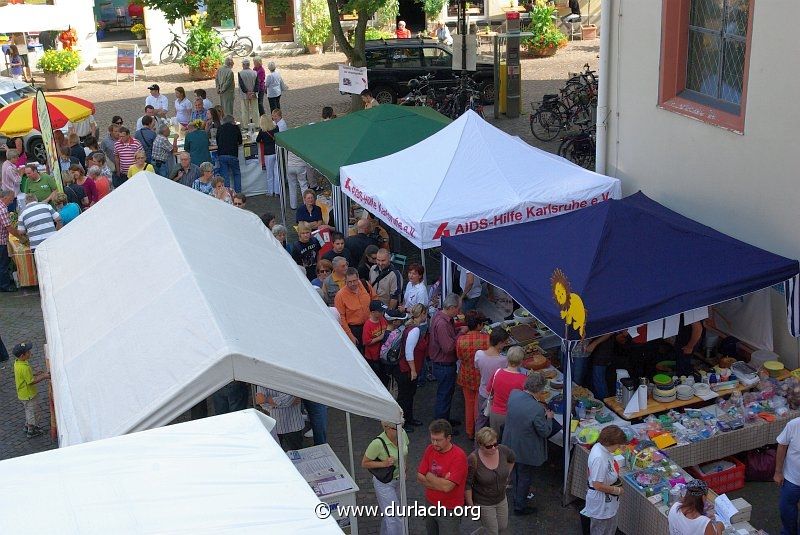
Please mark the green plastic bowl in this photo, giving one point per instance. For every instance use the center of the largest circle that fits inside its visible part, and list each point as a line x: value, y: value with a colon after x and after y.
x: 662, y: 379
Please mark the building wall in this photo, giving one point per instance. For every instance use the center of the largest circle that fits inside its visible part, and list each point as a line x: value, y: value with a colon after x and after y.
x: 81, y: 13
x: 158, y: 28
x: 745, y: 185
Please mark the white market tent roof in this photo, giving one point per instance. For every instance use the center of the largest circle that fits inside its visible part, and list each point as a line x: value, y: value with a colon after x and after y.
x: 160, y: 295
x: 470, y: 176
x: 223, y: 474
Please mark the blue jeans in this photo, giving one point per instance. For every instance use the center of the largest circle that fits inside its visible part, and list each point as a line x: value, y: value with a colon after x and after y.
x: 580, y: 366
x: 318, y: 416
x: 787, y: 505
x: 522, y: 478
x: 599, y: 388
x: 230, y: 165
x: 445, y: 386
x: 231, y: 398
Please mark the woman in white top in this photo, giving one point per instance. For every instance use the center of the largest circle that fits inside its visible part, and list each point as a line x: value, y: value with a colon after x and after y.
x: 686, y: 517
x: 274, y: 84
x: 183, y: 107
x: 416, y: 292
x: 605, y: 487
x: 487, y: 362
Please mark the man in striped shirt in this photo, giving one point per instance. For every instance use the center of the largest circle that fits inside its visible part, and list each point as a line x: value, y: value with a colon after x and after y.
x: 125, y: 148
x: 285, y: 409
x: 38, y: 220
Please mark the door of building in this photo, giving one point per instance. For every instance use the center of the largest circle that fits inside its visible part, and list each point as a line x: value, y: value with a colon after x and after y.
x: 276, y: 24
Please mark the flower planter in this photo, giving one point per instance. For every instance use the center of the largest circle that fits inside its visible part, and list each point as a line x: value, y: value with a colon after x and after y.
x: 139, y: 36
x: 543, y: 51
x: 588, y: 31
x: 101, y: 34
x: 54, y: 81
x: 314, y: 49
x: 202, y: 74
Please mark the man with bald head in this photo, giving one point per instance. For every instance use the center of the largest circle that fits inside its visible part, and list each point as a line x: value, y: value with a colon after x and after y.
x: 386, y: 279
x: 358, y: 243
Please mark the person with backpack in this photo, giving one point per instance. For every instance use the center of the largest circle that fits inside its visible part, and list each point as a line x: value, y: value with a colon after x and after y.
x: 414, y: 343
x: 386, y: 279
x: 392, y: 347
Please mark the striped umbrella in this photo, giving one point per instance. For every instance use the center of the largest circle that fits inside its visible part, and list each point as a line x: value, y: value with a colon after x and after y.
x: 19, y: 118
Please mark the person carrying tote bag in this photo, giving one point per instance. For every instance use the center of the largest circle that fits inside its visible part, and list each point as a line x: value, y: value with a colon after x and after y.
x: 380, y: 458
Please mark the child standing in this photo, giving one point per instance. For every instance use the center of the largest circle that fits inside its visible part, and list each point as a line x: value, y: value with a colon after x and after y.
x: 372, y: 337
x: 26, y: 386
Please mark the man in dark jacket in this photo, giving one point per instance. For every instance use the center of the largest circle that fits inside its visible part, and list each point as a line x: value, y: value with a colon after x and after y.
x: 528, y: 425
x: 229, y: 137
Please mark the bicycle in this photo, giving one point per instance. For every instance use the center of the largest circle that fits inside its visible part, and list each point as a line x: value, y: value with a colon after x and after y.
x: 235, y: 44
x: 174, y: 51
x: 554, y: 114
x: 579, y: 147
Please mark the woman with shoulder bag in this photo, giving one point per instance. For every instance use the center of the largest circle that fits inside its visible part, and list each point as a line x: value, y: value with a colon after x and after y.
x: 380, y: 459
x: 415, y: 349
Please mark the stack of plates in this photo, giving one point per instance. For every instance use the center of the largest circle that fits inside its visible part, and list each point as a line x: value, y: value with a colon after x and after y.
x: 701, y: 389
x: 684, y: 392
x: 664, y: 394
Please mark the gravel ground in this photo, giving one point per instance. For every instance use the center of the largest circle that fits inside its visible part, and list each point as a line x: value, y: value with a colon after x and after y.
x: 313, y: 82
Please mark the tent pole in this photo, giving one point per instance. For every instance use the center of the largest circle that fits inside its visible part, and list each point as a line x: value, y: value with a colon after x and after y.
x: 281, y: 154
x: 567, y: 416
x: 401, y: 465
x: 350, y: 445
x: 422, y: 254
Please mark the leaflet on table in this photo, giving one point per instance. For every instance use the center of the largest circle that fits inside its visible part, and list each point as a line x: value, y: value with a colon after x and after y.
x: 330, y: 485
x: 724, y: 509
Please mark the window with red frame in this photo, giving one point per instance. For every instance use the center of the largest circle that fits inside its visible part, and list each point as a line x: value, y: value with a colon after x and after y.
x: 704, y: 60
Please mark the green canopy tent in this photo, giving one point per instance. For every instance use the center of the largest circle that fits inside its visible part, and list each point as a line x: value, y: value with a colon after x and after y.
x: 354, y: 138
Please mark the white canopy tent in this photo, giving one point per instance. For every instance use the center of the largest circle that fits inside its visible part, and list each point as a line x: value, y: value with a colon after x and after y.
x: 32, y: 18
x: 160, y: 295
x: 224, y: 474
x: 470, y: 176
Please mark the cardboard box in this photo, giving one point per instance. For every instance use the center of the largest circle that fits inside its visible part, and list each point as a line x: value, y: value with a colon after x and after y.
x: 744, y: 509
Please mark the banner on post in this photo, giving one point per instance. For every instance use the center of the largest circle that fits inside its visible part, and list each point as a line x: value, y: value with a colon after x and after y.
x: 352, y: 80
x: 46, y: 129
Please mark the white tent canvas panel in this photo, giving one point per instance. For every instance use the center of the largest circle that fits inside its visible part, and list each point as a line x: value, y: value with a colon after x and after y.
x: 223, y: 474
x: 160, y: 295
x: 470, y: 176
x: 32, y: 18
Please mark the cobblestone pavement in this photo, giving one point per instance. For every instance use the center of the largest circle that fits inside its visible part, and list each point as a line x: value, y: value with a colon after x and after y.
x: 313, y: 83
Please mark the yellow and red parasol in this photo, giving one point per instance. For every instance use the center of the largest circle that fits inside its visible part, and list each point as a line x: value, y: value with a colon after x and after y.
x: 19, y: 118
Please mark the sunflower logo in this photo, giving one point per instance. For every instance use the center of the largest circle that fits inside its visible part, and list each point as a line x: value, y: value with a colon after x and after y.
x: 570, y: 304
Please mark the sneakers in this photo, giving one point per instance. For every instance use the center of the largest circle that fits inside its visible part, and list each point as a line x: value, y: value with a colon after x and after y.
x: 34, y: 431
x: 309, y: 433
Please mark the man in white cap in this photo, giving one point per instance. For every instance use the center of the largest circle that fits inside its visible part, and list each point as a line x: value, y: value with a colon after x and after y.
x: 158, y: 101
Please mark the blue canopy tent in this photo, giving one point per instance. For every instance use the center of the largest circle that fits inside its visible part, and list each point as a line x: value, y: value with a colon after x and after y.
x: 631, y: 261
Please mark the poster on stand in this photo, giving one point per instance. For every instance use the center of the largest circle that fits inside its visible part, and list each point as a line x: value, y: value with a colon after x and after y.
x: 352, y: 80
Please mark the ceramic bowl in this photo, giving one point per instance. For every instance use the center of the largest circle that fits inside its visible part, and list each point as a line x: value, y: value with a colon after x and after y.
x: 684, y: 391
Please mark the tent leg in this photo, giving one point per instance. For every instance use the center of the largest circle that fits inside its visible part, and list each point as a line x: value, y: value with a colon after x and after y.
x: 281, y: 155
x: 422, y: 255
x: 350, y: 445
x: 567, y: 419
x: 401, y: 464
x: 447, y: 283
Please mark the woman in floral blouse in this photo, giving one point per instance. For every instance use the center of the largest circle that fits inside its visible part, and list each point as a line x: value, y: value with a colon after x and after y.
x: 468, y: 377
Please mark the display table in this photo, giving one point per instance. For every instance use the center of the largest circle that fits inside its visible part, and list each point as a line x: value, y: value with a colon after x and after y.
x: 22, y: 256
x: 329, y: 480
x: 636, y: 513
x: 655, y: 407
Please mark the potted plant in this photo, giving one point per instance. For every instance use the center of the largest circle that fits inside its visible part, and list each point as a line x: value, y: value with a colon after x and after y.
x: 60, y: 68
x: 101, y: 30
x: 138, y: 30
x: 546, y: 38
x: 203, y: 48
x: 314, y: 27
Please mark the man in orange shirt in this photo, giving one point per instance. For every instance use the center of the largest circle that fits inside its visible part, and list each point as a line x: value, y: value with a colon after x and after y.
x: 352, y: 303
x: 402, y: 32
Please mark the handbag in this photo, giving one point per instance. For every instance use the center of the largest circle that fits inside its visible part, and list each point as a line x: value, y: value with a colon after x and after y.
x: 488, y: 408
x: 384, y: 474
x: 760, y: 464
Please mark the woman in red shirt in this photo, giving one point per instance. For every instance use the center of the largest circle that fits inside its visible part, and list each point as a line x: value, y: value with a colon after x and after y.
x: 500, y: 386
x: 469, y: 379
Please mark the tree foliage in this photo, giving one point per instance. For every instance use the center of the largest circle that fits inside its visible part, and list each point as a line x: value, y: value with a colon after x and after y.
x: 363, y: 10
x: 178, y: 9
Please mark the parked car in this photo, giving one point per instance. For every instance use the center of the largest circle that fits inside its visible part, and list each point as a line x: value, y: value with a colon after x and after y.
x: 11, y: 91
x: 391, y: 63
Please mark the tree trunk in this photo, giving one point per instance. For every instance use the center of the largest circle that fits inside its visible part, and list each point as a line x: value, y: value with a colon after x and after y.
x: 354, y: 53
